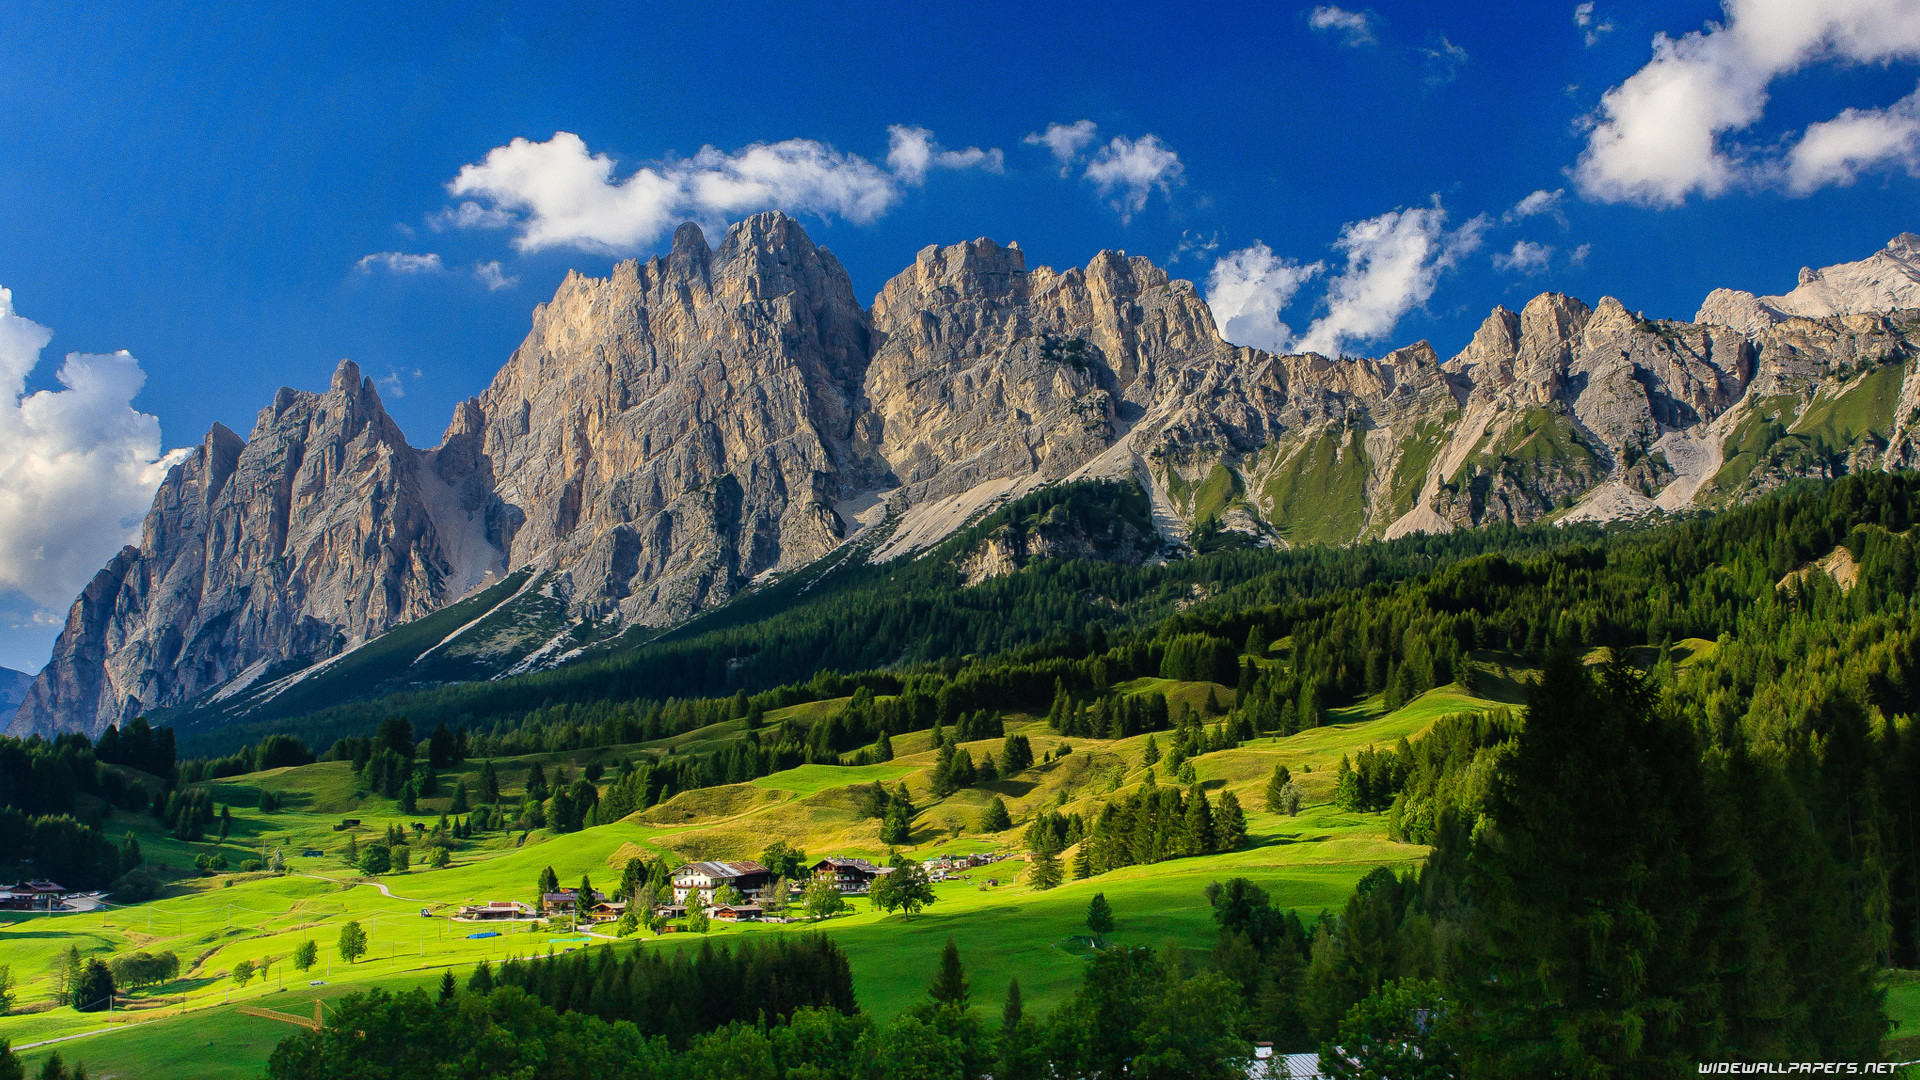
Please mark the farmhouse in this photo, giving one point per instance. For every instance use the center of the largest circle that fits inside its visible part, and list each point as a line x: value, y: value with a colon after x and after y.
x: 738, y: 913
x: 494, y: 910
x: 851, y: 876
x: 608, y: 910
x: 700, y: 879
x: 33, y: 896
x: 564, y: 901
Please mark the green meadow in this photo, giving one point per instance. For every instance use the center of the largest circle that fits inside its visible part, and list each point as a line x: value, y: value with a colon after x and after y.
x: 191, y: 1027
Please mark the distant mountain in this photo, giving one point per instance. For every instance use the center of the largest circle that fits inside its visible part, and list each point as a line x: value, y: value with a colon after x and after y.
x: 713, y: 418
x: 13, y: 689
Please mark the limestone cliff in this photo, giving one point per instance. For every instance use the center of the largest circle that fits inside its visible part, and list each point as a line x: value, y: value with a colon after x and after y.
x: 668, y: 436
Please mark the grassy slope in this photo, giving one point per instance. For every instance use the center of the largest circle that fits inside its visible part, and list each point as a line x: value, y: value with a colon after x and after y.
x: 1310, y: 862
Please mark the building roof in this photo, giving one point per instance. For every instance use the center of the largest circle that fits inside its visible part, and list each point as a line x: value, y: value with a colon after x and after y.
x: 720, y: 871
x: 834, y: 862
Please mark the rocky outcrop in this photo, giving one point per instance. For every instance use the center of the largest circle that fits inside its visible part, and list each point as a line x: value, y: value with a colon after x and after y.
x: 322, y: 529
x: 671, y: 434
x: 1887, y: 280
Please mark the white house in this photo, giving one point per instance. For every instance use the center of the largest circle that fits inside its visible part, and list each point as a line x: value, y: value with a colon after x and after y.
x: 705, y: 877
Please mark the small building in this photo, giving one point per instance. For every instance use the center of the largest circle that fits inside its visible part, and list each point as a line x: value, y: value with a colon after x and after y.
x: 34, y: 896
x: 738, y: 913
x: 608, y: 910
x: 347, y: 823
x: 566, y: 900
x: 700, y: 880
x: 494, y: 910
x: 854, y: 877
x: 311, y: 853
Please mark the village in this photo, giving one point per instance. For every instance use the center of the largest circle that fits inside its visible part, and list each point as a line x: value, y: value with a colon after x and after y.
x: 730, y: 892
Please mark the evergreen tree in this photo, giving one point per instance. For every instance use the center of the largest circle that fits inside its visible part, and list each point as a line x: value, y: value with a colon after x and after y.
x: 480, y: 983
x: 1276, y: 784
x: 997, y: 818
x: 94, y: 989
x: 1083, y: 861
x: 1099, y: 917
x: 489, y: 784
x: 1020, y: 1054
x: 1043, y: 869
x: 950, y: 983
x: 549, y: 883
x: 448, y: 988
x: 1230, y: 823
x: 1151, y: 754
x: 459, y: 804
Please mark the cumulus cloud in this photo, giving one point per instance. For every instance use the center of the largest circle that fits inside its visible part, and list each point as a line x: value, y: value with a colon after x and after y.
x: 1592, y: 27
x: 559, y: 194
x: 489, y: 274
x: 911, y: 151
x: 1128, y: 171
x: 399, y: 262
x: 1526, y: 258
x: 1665, y: 133
x: 1393, y: 263
x: 1835, y: 152
x: 1065, y: 141
x: 1354, y: 27
x: 78, y: 466
x: 1248, y: 289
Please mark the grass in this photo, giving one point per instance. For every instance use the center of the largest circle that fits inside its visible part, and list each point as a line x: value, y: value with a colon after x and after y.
x: 1864, y: 408
x: 188, y: 1028
x: 1319, y: 495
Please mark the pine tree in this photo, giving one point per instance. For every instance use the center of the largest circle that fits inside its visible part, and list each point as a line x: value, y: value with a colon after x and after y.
x: 549, y: 883
x: 1099, y: 917
x: 1151, y: 754
x: 448, y: 988
x: 1276, y: 784
x: 489, y: 784
x: 1230, y: 823
x: 1083, y: 860
x: 481, y: 981
x: 459, y: 805
x: 950, y: 982
x: 997, y: 818
x: 1043, y: 869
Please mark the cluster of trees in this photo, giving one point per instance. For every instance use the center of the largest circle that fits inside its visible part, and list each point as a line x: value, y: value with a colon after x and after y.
x: 1155, y: 823
x: 139, y: 970
x: 55, y: 796
x: 1135, y: 1013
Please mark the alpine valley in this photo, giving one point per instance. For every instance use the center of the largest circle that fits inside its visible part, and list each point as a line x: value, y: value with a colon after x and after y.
x: 721, y: 423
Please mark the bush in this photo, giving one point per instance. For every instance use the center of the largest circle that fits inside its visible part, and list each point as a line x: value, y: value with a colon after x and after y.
x: 251, y: 866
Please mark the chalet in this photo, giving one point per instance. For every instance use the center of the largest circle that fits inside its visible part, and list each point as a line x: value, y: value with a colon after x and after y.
x: 738, y: 913
x: 564, y: 901
x: 851, y: 876
x: 700, y: 880
x: 608, y: 910
x: 347, y: 823
x: 33, y: 896
x: 495, y: 910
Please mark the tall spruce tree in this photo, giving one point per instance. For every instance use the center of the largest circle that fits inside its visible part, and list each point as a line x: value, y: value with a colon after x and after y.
x: 950, y: 982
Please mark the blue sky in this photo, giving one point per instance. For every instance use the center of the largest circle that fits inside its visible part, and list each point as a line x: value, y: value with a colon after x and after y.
x: 205, y: 188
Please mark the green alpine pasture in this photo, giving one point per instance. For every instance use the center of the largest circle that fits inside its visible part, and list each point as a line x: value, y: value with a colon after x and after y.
x: 190, y: 1027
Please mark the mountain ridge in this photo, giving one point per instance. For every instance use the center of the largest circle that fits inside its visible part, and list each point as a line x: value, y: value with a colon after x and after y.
x: 670, y: 434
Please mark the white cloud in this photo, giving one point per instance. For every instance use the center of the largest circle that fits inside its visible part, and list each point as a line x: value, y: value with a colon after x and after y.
x: 1065, y: 141
x: 1663, y: 134
x: 1193, y: 245
x: 911, y: 151
x: 1444, y: 61
x: 1526, y: 258
x: 558, y: 194
x: 78, y: 466
x: 1592, y: 27
x: 1354, y: 27
x: 392, y: 385
x: 1836, y: 151
x: 1540, y: 202
x: 489, y: 274
x: 470, y: 215
x: 1393, y: 263
x: 399, y: 262
x: 1579, y: 256
x: 1127, y: 171
x: 1248, y: 289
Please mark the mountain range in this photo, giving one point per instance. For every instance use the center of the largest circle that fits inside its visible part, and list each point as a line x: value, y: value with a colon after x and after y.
x: 712, y: 419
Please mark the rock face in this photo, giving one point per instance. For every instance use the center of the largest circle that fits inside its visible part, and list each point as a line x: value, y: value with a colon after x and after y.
x: 668, y: 435
x: 1887, y: 280
x: 321, y: 530
x: 13, y: 688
